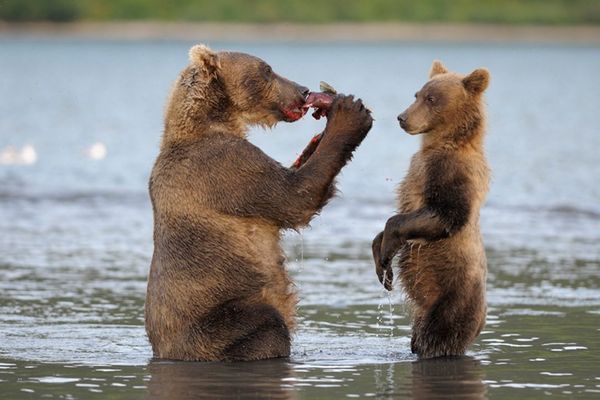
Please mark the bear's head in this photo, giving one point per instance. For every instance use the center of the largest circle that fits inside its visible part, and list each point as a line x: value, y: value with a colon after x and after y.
x: 448, y: 105
x: 229, y: 91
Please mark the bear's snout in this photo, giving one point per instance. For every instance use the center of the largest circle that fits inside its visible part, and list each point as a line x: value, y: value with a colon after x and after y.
x: 402, y: 119
x: 305, y: 91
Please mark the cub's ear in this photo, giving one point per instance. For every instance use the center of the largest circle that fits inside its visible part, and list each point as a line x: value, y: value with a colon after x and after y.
x: 437, y: 68
x: 477, y: 81
x: 202, y: 56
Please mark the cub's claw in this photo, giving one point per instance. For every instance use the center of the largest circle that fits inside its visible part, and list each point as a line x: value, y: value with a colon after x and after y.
x: 376, y: 248
x: 385, y: 275
x: 389, y: 278
x: 385, y: 247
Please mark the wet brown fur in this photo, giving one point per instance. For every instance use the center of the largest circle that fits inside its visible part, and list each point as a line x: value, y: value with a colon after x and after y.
x: 441, y: 255
x: 218, y: 288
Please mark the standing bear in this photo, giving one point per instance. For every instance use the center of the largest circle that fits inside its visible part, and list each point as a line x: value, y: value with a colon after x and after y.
x: 441, y: 256
x: 217, y: 287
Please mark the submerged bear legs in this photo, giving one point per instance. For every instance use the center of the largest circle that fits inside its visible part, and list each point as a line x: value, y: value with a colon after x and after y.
x: 270, y: 340
x: 449, y: 326
x: 249, y: 331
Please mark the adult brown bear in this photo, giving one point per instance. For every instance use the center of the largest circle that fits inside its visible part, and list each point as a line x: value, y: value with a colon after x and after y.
x: 442, y: 260
x: 218, y: 288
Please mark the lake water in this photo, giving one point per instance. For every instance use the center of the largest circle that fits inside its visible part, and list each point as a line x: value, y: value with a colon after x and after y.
x: 76, y: 232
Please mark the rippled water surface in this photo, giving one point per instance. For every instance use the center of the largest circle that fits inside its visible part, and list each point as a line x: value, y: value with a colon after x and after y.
x: 76, y: 233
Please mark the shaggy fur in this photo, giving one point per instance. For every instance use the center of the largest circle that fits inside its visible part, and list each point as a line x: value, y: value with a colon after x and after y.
x: 218, y: 288
x: 441, y: 256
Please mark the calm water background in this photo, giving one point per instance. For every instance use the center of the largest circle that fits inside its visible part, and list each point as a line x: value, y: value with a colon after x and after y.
x: 75, y: 233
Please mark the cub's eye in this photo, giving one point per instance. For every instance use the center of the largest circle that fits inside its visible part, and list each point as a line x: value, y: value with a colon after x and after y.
x: 430, y: 99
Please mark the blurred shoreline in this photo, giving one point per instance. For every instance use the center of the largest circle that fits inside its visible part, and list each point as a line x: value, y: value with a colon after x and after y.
x: 286, y: 32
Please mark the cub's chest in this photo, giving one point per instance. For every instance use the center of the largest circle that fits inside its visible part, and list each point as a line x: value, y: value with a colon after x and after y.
x: 411, y: 189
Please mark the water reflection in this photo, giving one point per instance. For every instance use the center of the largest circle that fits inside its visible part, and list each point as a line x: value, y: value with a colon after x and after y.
x: 460, y: 377
x: 441, y: 378
x: 193, y: 380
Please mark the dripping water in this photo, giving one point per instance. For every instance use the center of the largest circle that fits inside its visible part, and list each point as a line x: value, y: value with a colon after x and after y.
x: 301, y: 252
x: 379, y: 316
x: 391, y: 314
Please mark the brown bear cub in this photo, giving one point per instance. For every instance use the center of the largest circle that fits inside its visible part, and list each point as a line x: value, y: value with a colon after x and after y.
x: 217, y: 287
x: 436, y: 234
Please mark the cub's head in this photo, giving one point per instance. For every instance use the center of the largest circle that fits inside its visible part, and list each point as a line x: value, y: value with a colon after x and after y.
x: 233, y: 89
x: 448, y: 104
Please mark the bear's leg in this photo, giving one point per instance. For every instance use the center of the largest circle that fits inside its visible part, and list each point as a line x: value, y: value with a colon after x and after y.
x: 252, y: 331
x: 449, y: 327
x: 435, y: 335
x: 268, y: 341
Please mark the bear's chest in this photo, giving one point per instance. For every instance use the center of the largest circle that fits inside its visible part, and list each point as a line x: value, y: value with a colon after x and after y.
x: 411, y: 189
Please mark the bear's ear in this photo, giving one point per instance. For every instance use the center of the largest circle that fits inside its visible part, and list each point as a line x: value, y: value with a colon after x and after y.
x: 477, y: 81
x: 437, y: 68
x: 202, y: 56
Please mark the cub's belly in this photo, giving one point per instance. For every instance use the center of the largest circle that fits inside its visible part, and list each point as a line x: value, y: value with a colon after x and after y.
x: 428, y: 269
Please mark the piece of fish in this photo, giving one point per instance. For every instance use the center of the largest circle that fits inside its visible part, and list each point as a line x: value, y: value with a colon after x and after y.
x: 320, y: 101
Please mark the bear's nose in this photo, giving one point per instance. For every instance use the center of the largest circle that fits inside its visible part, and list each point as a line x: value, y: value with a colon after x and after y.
x: 402, y: 117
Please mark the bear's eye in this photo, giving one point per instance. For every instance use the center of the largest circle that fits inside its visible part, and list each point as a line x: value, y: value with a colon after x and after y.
x: 267, y: 71
x: 430, y: 99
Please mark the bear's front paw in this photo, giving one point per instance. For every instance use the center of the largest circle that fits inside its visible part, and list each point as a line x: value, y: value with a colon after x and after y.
x: 390, y: 242
x: 385, y: 276
x: 349, y: 117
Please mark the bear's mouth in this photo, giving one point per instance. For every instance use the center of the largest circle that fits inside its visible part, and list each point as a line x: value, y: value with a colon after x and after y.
x: 408, y: 129
x: 292, y: 114
x: 411, y: 129
x: 416, y: 132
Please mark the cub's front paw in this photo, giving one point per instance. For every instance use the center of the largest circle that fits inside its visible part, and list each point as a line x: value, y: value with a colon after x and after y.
x: 390, y: 243
x: 385, y: 276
